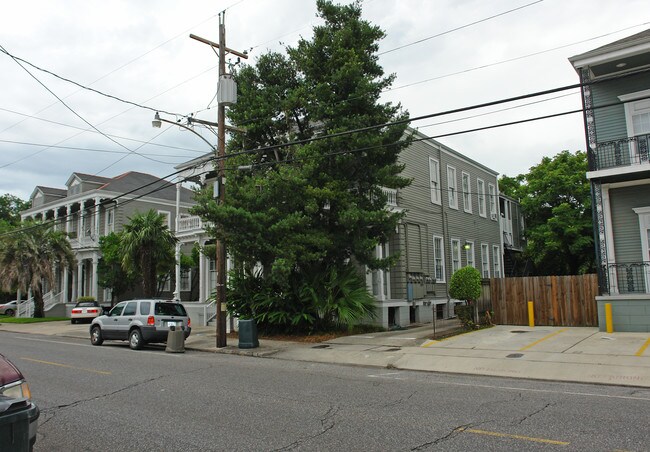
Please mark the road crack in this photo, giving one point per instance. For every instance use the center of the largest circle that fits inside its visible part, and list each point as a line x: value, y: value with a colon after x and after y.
x: 453, y: 433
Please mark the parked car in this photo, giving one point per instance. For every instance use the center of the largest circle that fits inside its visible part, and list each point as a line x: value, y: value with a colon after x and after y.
x: 18, y: 414
x: 9, y: 308
x: 140, y: 322
x: 85, y: 310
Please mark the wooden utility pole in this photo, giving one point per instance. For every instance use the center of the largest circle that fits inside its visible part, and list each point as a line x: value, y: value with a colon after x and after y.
x: 220, y: 184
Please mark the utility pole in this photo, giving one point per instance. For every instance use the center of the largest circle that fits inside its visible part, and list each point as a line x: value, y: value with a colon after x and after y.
x: 220, y: 184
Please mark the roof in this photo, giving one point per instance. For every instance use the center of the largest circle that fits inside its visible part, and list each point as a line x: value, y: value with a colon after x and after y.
x: 141, y: 184
x: 629, y: 53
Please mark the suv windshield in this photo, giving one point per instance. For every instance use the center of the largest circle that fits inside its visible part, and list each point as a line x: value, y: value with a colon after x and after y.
x: 170, y: 309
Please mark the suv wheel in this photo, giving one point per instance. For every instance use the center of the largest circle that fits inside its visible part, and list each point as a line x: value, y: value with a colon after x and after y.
x: 135, y: 339
x: 96, y: 336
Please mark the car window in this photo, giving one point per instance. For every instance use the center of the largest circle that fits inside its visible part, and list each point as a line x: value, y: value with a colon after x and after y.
x: 145, y: 308
x: 117, y: 309
x: 130, y: 308
x: 86, y: 304
x: 170, y: 309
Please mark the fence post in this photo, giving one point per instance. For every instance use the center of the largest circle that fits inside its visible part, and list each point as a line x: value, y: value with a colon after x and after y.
x: 608, y: 318
x: 531, y: 314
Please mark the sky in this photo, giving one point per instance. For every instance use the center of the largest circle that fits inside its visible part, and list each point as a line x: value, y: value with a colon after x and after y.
x: 445, y: 54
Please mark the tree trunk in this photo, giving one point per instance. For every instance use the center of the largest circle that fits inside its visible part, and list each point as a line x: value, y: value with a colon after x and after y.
x: 39, y: 309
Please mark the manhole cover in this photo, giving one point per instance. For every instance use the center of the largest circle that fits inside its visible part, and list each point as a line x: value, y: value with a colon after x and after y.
x: 321, y: 346
x: 519, y: 331
x: 515, y: 355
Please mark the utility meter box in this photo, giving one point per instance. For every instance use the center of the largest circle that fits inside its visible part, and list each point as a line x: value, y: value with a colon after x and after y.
x: 227, y: 90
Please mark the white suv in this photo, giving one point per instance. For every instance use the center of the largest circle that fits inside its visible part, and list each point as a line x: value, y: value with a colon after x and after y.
x: 140, y: 322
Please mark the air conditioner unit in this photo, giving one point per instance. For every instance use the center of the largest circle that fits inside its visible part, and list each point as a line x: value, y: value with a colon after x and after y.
x: 493, y: 216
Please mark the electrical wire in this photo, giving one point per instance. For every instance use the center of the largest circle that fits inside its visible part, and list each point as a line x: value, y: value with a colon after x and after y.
x: 459, y: 28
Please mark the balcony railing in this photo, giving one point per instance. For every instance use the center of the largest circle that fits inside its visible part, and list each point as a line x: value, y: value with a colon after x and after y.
x: 620, y: 153
x: 191, y: 224
x: 391, y: 196
x: 630, y: 277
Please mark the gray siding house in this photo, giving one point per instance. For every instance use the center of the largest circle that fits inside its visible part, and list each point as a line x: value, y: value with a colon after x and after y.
x: 452, y: 220
x: 93, y: 206
x: 617, y: 125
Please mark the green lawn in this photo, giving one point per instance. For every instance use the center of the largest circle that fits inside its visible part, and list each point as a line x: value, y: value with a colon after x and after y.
x: 8, y: 319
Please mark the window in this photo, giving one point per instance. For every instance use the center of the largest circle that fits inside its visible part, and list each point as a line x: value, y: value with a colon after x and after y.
x: 186, y: 278
x: 480, y: 186
x: 212, y: 267
x: 110, y: 220
x: 455, y: 255
x: 493, y: 201
x: 439, y: 259
x: 467, y: 195
x: 145, y: 307
x: 637, y: 118
x: 434, y: 178
x: 167, y: 217
x: 451, y: 187
x: 496, y: 260
x: 485, y: 260
x: 469, y: 253
x: 130, y: 308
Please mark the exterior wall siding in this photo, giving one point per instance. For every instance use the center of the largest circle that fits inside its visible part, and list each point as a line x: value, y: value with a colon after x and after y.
x: 625, y: 222
x: 610, y: 121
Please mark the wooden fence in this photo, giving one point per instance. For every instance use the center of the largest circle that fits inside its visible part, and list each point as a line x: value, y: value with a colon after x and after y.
x: 558, y: 300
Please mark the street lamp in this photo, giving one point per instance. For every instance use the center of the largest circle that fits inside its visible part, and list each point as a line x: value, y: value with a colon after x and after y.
x: 157, y: 123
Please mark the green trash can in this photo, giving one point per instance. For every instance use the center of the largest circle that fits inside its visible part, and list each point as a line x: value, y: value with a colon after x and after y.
x: 18, y: 424
x: 248, y: 334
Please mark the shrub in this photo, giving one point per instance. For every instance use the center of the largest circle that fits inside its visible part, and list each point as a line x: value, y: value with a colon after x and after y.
x: 465, y: 284
x: 86, y: 298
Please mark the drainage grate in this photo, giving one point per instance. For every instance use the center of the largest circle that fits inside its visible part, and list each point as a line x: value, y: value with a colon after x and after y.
x: 515, y: 355
x: 393, y: 349
x: 520, y: 331
x: 321, y: 346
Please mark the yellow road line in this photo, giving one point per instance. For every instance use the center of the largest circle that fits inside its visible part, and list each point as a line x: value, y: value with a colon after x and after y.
x: 429, y: 343
x: 67, y: 366
x: 548, y: 336
x: 643, y: 348
x: 508, y: 435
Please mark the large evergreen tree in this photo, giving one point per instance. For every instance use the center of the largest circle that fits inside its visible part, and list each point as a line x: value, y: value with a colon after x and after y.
x: 556, y: 201
x: 311, y: 209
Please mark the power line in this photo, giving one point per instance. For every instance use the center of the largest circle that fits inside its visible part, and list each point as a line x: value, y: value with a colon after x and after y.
x: 459, y: 28
x: 433, y: 115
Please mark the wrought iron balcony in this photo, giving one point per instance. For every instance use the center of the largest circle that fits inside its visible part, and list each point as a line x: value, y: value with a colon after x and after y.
x: 620, y: 153
x: 630, y: 277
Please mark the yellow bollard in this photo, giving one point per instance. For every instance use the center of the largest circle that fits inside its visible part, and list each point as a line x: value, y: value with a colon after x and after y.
x: 531, y: 314
x: 608, y: 318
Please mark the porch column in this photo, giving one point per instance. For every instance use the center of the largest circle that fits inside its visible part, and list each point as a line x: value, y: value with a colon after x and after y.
x: 80, y: 274
x: 94, y: 284
x: 202, y: 277
x: 65, y: 286
x: 73, y: 296
x: 96, y: 239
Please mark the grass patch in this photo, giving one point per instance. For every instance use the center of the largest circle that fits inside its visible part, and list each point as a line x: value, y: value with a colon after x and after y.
x: 7, y: 319
x: 315, y: 337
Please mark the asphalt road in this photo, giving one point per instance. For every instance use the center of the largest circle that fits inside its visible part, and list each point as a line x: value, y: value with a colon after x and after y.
x: 111, y: 398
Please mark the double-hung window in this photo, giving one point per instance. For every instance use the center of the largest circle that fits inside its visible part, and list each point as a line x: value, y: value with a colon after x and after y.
x: 496, y: 260
x: 469, y: 254
x: 439, y: 259
x: 480, y: 187
x: 493, y: 201
x: 455, y: 255
x: 485, y: 260
x: 467, y: 195
x: 434, y: 180
x: 451, y: 187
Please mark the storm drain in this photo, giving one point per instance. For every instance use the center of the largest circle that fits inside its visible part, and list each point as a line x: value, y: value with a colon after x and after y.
x: 520, y: 331
x: 393, y: 349
x: 515, y: 355
x: 321, y: 346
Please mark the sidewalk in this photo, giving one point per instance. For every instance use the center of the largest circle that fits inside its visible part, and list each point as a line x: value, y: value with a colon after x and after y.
x: 582, y: 355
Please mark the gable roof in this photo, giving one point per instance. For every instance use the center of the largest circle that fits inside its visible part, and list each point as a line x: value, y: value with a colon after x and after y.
x: 49, y: 191
x: 141, y: 184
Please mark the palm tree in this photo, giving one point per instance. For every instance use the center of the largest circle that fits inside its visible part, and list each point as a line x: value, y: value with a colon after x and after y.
x: 28, y: 256
x: 146, y: 243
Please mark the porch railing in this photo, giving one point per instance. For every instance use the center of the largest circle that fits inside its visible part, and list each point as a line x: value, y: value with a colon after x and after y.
x: 631, y: 277
x: 209, y: 312
x: 620, y: 153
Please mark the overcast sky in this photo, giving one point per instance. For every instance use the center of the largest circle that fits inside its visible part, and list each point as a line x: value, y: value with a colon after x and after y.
x: 140, y: 51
